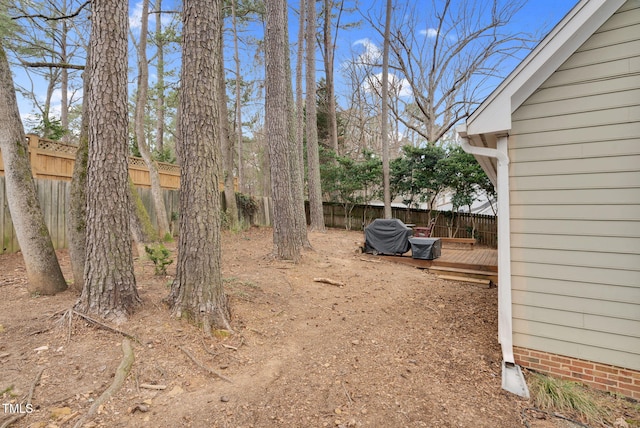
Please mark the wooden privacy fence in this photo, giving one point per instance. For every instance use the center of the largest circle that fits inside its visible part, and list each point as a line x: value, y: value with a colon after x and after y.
x: 448, y: 224
x: 53, y: 197
x: 54, y: 160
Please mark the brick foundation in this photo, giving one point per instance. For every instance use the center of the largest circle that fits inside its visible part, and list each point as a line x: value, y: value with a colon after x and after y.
x: 599, y: 376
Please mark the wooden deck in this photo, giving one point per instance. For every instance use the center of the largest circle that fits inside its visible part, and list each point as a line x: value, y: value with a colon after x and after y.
x: 479, y: 263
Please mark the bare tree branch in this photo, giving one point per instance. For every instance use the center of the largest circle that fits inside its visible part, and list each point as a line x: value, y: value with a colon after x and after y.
x: 51, y: 65
x: 53, y: 18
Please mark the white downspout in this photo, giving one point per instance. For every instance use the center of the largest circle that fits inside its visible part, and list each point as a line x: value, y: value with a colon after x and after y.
x: 513, y: 382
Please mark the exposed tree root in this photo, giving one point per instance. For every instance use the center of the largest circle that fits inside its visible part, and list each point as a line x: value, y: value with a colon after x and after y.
x: 121, y: 374
x: 199, y: 364
x: 19, y: 416
x: 69, y: 313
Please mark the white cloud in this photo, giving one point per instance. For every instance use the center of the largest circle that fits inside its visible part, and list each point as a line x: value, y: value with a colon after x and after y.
x: 397, y: 86
x: 135, y: 16
x: 429, y: 32
x: 372, y: 53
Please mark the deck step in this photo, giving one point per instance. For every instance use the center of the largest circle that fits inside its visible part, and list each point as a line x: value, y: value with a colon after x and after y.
x: 458, y: 265
x: 486, y: 282
x: 446, y: 269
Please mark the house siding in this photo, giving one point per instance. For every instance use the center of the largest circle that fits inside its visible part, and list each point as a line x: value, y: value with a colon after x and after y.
x: 575, y: 204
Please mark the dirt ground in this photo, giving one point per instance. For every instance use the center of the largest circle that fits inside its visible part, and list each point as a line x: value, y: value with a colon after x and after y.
x: 393, y: 347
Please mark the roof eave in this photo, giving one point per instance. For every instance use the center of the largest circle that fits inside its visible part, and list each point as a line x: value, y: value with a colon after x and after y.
x: 493, y: 116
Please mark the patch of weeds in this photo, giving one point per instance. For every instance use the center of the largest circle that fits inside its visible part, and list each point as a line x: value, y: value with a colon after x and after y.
x: 250, y: 284
x: 168, y: 237
x: 221, y: 334
x: 243, y: 296
x: 240, y: 288
x: 565, y: 397
x: 240, y: 226
x: 159, y: 255
x: 7, y: 391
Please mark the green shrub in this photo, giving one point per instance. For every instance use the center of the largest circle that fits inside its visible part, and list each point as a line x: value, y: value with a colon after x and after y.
x: 159, y: 255
x: 246, y: 204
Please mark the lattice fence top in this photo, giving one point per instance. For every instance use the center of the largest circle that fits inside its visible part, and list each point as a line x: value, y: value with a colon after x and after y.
x: 57, y: 146
x: 137, y: 162
x: 60, y: 147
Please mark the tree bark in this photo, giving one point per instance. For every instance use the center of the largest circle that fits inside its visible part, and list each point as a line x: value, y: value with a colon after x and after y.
x: 297, y: 165
x: 299, y: 92
x: 77, y: 210
x: 64, y: 81
x: 43, y: 271
x: 313, y: 158
x: 223, y: 116
x: 197, y: 293
x: 329, y: 53
x: 285, y: 244
x: 141, y: 139
x: 160, y: 81
x: 236, y: 59
x: 384, y: 117
x: 109, y: 283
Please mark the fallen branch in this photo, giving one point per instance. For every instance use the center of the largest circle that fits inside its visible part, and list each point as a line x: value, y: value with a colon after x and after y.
x: 32, y: 389
x: 199, y: 364
x: 121, y: 375
x: 347, y: 394
x: 369, y: 260
x: 151, y: 386
x: 329, y: 281
x: 105, y: 326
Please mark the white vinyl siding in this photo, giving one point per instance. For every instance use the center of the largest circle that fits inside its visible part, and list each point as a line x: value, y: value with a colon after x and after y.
x: 575, y: 202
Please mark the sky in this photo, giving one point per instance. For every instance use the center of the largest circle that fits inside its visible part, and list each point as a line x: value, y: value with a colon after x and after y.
x: 536, y: 16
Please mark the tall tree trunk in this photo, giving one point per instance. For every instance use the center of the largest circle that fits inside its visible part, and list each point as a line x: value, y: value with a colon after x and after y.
x: 297, y: 175
x: 313, y: 158
x: 236, y: 59
x: 43, y: 271
x: 64, y: 81
x: 299, y: 92
x: 109, y: 282
x: 141, y: 139
x: 384, y: 117
x: 197, y: 293
x: 285, y: 244
x: 77, y: 210
x: 329, y: 53
x: 223, y: 117
x: 160, y: 79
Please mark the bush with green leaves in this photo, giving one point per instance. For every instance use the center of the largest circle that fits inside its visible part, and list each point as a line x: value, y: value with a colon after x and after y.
x: 159, y: 255
x: 246, y: 204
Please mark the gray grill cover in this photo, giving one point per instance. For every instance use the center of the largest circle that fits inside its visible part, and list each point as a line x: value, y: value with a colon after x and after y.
x: 384, y: 236
x: 425, y: 248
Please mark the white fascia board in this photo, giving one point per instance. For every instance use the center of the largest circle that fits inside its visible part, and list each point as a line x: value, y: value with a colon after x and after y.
x: 488, y: 164
x: 493, y: 116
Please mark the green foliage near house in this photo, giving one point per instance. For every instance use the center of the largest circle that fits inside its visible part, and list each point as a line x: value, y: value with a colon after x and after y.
x: 349, y: 181
x: 565, y: 397
x: 416, y: 175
